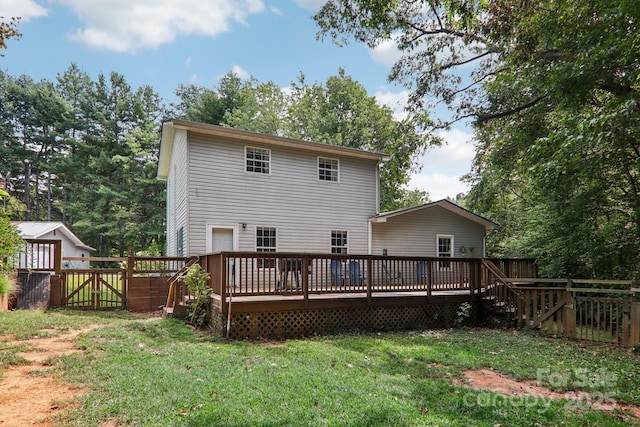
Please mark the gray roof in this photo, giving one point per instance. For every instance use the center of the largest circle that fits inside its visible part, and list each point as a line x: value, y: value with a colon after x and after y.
x: 446, y: 204
x: 37, y: 229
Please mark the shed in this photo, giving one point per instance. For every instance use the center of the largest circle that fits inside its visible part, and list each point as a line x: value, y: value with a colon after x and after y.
x: 72, y: 246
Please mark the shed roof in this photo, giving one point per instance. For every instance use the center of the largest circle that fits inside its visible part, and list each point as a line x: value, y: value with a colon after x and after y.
x: 446, y: 204
x: 37, y: 229
x: 243, y: 137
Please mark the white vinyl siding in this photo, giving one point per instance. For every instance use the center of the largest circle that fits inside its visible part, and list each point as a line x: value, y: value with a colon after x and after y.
x: 177, y: 194
x: 415, y: 234
x: 302, y: 208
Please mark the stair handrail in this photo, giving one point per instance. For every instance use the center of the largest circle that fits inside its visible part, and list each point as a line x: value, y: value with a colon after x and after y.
x: 499, y: 274
x: 171, y: 298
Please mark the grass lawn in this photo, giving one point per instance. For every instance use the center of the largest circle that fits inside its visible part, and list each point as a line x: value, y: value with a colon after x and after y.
x: 157, y: 372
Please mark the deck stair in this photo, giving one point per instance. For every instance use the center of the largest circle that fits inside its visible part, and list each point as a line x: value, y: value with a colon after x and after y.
x: 176, y: 296
x: 501, y: 296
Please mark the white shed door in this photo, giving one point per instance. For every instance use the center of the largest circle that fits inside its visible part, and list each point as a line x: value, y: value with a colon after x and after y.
x: 222, y: 239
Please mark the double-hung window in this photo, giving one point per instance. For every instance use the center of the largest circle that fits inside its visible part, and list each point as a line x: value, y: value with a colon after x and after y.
x: 266, y: 242
x: 445, y: 249
x: 258, y: 160
x: 328, y: 169
x: 339, y: 241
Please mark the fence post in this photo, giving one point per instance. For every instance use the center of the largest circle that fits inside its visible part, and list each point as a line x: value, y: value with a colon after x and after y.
x: 634, y: 339
x: 131, y: 260
x: 57, y: 262
x: 569, y: 315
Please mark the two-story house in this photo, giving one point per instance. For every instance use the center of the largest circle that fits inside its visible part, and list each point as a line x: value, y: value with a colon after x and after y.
x: 232, y: 190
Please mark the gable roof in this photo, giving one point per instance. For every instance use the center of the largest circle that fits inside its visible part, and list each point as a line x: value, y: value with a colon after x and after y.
x: 245, y: 137
x: 446, y: 204
x: 37, y: 229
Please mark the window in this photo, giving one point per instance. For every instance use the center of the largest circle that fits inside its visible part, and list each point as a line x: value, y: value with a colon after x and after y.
x: 338, y: 242
x: 258, y: 160
x: 445, y: 249
x: 327, y: 169
x: 266, y: 242
x: 180, y: 242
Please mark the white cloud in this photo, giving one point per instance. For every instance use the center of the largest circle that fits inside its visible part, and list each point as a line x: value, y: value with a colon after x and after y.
x: 240, y: 72
x: 386, y: 53
x: 275, y: 10
x: 443, y: 166
x: 394, y: 100
x: 130, y: 25
x: 25, y: 9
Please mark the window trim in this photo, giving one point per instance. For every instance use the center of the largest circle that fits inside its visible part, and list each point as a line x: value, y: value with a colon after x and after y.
x: 246, y: 159
x: 337, y: 180
x: 346, y: 238
x: 263, y: 249
x: 444, y: 264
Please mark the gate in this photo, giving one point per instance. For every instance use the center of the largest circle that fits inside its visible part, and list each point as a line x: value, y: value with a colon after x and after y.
x: 599, y: 311
x: 94, y: 288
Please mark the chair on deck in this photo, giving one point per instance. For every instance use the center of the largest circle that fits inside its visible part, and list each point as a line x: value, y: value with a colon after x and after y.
x: 421, y: 267
x: 391, y: 276
x: 354, y: 273
x: 337, y: 274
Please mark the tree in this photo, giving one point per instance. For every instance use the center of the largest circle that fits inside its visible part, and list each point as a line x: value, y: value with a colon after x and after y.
x: 553, y: 92
x: 8, y: 30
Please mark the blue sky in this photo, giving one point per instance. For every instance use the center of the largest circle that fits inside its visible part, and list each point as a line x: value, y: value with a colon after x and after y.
x: 164, y: 43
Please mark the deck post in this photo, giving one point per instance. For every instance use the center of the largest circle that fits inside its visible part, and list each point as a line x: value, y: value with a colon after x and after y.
x: 306, y: 261
x: 428, y: 274
x: 369, y: 272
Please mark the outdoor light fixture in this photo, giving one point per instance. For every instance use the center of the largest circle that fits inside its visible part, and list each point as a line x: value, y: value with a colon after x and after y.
x: 244, y: 225
x: 463, y: 250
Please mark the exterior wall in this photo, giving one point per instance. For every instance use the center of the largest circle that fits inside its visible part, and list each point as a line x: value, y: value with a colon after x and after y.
x: 177, y: 189
x: 414, y: 234
x: 303, y: 209
x: 41, y: 257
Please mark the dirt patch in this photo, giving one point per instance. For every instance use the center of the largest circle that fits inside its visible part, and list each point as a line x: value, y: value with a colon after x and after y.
x: 486, y: 379
x: 29, y: 394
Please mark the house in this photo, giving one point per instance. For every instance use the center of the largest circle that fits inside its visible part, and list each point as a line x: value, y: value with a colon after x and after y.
x: 40, y: 256
x: 437, y: 229
x: 232, y: 190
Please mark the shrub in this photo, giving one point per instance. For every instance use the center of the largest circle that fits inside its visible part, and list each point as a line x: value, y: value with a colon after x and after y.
x: 197, y: 281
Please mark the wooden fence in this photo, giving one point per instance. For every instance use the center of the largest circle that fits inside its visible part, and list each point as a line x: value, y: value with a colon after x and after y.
x: 605, y: 311
x: 138, y: 283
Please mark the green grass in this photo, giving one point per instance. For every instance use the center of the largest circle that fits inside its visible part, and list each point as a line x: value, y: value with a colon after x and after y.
x: 158, y: 372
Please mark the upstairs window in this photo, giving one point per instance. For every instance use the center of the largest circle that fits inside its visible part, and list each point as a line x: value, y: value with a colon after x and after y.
x: 339, y: 242
x: 258, y: 160
x: 328, y: 169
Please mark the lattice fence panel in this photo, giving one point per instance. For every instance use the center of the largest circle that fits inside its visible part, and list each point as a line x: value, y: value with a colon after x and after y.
x: 299, y: 323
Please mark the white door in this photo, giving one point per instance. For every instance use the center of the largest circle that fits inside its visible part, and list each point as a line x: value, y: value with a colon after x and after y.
x: 221, y: 239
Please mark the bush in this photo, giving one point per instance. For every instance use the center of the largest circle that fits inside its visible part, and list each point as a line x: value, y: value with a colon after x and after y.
x: 197, y: 281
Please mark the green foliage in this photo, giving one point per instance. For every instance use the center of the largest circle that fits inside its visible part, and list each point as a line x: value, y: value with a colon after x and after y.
x: 553, y: 89
x: 10, y: 244
x: 8, y: 30
x: 89, y: 149
x: 197, y: 282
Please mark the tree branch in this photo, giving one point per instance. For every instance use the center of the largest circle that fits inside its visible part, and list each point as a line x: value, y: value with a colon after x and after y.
x: 482, y: 118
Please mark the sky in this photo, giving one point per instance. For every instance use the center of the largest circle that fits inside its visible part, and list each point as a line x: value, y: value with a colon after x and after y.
x: 165, y: 43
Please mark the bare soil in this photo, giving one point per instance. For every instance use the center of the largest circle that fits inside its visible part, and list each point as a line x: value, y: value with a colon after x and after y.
x: 486, y: 379
x: 29, y: 394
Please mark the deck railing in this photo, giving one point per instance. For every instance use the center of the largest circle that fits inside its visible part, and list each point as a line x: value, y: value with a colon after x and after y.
x: 254, y: 274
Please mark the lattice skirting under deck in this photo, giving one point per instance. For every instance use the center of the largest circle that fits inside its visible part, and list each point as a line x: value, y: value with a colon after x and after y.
x: 299, y: 323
